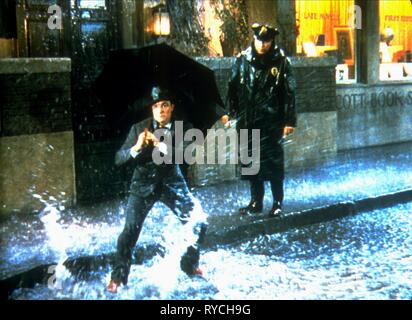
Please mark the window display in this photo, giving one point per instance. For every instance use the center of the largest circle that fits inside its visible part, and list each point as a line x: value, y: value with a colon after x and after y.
x: 395, y: 47
x: 327, y: 28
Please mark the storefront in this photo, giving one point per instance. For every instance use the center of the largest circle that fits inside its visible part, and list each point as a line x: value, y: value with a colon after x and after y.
x: 372, y: 41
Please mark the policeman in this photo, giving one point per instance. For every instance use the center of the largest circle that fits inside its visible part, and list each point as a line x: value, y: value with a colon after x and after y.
x: 261, y: 96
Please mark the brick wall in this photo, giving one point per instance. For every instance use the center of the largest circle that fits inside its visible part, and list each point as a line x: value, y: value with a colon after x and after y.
x: 315, y: 138
x: 316, y: 85
x: 35, y: 103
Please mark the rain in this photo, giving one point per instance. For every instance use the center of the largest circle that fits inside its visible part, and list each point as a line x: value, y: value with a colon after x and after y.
x: 68, y: 101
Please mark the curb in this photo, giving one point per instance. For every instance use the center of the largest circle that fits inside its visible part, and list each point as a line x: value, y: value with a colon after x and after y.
x: 306, y: 217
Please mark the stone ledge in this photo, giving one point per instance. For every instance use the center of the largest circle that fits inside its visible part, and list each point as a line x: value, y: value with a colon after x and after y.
x: 296, y: 61
x: 304, y: 62
x: 34, y: 65
x: 216, y: 63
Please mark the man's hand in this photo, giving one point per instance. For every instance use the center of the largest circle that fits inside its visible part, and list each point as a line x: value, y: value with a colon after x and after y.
x: 287, y: 131
x: 151, y: 138
x: 144, y: 139
x: 225, y: 120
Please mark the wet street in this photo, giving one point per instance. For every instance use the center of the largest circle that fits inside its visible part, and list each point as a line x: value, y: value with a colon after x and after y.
x: 367, y: 256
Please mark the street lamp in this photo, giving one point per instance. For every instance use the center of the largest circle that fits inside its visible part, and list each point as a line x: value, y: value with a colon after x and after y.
x: 161, y: 20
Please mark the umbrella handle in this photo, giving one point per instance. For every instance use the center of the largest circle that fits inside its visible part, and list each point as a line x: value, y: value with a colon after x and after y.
x: 145, y: 135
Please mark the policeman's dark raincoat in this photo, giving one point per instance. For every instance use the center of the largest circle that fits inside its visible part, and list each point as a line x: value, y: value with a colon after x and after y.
x: 261, y: 96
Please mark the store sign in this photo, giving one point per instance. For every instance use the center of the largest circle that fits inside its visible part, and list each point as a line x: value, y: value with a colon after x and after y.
x: 375, y: 99
x: 354, y: 17
x: 321, y: 16
x: 398, y: 18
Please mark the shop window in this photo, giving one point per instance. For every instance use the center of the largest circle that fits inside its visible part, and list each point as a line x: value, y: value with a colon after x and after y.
x: 35, y: 37
x: 395, y: 47
x: 326, y: 28
x: 8, y: 28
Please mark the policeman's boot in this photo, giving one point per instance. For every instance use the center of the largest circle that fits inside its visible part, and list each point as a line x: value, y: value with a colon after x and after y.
x: 253, y: 207
x: 189, y: 262
x: 257, y: 191
x: 276, y: 210
x: 277, y: 193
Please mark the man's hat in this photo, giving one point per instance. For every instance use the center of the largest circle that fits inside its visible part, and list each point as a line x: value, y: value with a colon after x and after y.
x: 160, y: 94
x: 264, y: 32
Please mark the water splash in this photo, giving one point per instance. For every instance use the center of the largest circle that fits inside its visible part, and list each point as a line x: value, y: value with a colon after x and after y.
x: 162, y: 278
x: 58, y: 242
x: 68, y: 236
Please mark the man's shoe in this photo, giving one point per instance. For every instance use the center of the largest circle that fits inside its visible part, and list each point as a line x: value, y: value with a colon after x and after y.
x: 276, y: 210
x: 112, y: 287
x: 253, y: 207
x: 196, y: 272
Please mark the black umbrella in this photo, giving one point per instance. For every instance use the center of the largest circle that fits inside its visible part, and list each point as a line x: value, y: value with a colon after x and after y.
x: 129, y: 75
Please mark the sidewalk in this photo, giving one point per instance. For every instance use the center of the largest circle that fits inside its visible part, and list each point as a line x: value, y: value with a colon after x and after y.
x: 355, y: 181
